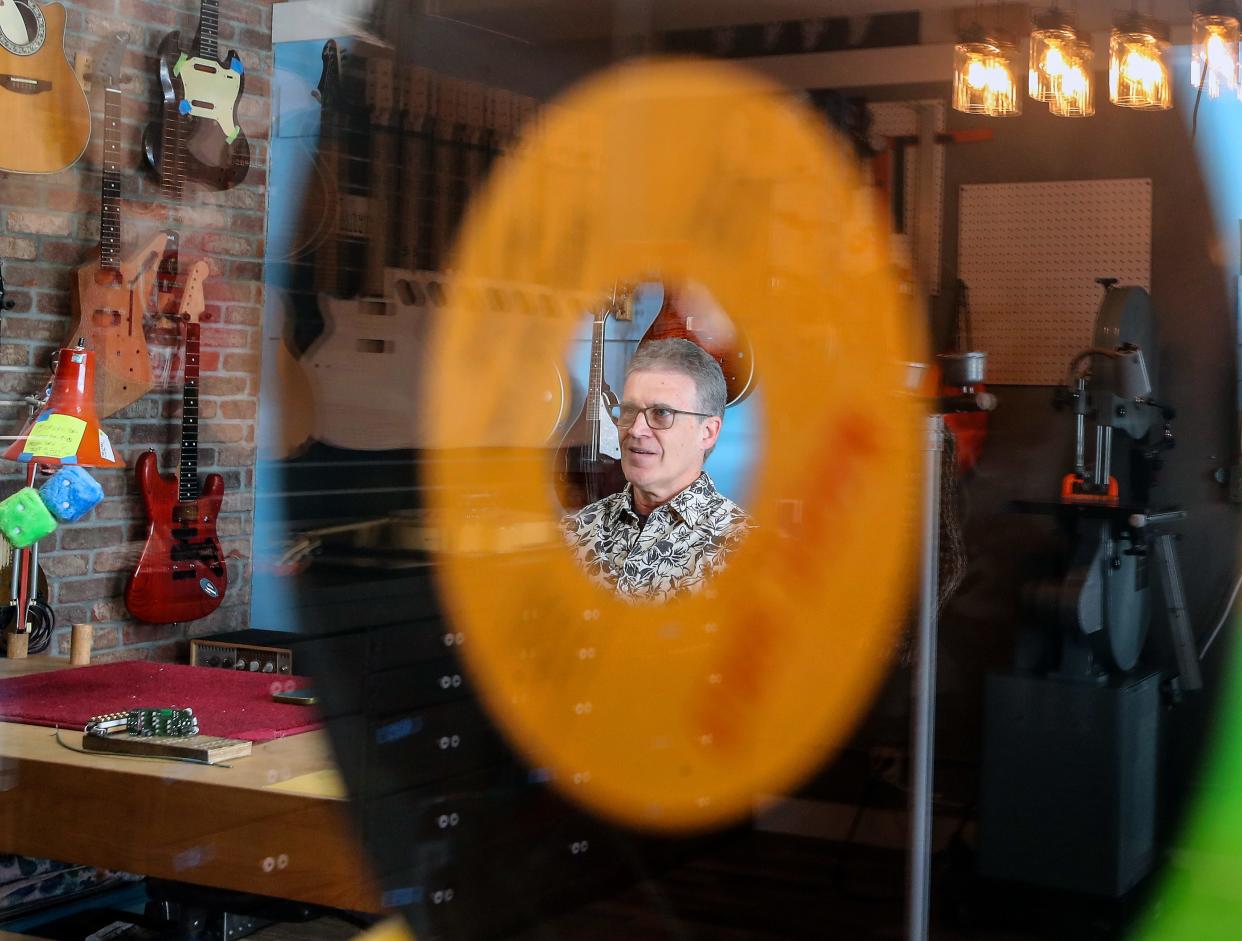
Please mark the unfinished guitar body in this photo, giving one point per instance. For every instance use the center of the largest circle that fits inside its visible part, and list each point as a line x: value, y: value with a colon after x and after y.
x: 110, y: 306
x: 42, y: 106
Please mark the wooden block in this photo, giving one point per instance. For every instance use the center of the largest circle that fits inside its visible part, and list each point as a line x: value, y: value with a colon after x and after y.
x: 18, y: 645
x: 200, y: 747
x: 80, y: 644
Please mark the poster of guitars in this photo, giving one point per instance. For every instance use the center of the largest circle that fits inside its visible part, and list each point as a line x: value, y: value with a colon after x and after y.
x: 43, y: 109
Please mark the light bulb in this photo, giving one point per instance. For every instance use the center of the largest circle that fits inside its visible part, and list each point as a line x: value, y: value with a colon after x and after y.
x: 1138, y: 75
x: 1214, y: 53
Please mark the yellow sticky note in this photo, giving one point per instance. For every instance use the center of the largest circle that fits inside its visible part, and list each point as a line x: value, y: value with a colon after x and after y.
x: 56, y: 436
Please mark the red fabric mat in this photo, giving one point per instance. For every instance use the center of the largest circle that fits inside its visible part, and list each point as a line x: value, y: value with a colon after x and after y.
x: 228, y: 703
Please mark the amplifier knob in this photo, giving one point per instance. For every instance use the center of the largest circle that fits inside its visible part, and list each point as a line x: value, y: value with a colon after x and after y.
x: 254, y: 666
x: 213, y: 661
x: 269, y: 667
x: 239, y: 665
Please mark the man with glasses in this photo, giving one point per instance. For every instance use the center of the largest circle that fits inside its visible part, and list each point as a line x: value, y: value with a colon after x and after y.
x: 669, y: 529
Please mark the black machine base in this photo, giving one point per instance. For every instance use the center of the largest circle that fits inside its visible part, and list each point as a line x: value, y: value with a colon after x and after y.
x: 1069, y: 782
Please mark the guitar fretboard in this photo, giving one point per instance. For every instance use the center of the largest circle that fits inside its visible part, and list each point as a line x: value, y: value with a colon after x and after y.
x: 209, y: 30
x: 110, y: 197
x: 187, y: 478
x: 595, y: 384
x: 172, y: 155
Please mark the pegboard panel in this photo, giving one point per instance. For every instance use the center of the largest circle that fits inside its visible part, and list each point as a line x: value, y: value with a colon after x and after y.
x: 1030, y: 254
x: 899, y: 119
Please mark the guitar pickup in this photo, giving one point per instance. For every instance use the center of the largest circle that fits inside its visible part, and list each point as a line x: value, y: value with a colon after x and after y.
x: 178, y: 576
x: 184, y: 533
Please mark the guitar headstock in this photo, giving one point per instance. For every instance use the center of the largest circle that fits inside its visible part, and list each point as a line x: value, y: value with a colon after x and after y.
x: 193, y: 303
x: 109, y: 63
x: 380, y: 97
x: 473, y: 116
x: 328, y: 91
x: 415, y: 94
x: 448, y: 93
x: 499, y: 113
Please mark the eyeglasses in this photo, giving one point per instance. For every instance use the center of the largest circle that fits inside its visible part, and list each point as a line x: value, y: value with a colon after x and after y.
x: 659, y: 417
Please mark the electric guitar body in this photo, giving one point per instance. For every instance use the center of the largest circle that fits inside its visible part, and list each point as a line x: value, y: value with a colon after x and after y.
x: 42, y: 106
x: 206, y: 93
x: 181, y: 575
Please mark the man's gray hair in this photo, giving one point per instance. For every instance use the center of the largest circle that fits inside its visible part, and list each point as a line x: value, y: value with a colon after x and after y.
x: 689, y: 359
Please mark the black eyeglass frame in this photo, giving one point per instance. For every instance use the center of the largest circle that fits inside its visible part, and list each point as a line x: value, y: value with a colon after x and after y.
x: 616, y: 410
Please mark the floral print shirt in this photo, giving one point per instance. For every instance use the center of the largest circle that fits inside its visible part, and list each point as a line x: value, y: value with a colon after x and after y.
x: 682, y: 543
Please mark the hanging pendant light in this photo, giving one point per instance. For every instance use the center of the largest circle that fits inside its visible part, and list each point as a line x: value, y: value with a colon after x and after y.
x: 1214, y: 48
x: 1138, y: 71
x: 984, y: 67
x: 1053, y: 33
x: 1073, y: 93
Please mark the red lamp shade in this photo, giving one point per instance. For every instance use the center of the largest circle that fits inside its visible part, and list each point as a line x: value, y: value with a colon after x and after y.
x: 67, y: 430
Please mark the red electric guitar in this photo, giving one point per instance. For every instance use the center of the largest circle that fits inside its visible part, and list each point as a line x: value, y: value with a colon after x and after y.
x: 181, y: 575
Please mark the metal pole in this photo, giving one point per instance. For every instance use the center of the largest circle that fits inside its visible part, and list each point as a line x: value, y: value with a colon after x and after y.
x: 26, y: 581
x: 923, y: 693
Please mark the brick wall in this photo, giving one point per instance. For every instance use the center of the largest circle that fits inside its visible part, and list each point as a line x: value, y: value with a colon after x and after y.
x: 49, y: 226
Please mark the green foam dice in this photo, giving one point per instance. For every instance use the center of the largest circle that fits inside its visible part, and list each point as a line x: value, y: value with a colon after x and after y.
x: 24, y: 519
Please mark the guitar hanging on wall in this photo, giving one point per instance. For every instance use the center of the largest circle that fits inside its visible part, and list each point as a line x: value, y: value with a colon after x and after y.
x: 588, y: 461
x: 110, y: 293
x: 42, y: 106
x: 181, y: 575
x: 205, y: 92
x: 688, y: 312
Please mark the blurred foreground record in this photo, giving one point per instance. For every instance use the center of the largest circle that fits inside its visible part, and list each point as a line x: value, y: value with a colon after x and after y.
x: 680, y: 717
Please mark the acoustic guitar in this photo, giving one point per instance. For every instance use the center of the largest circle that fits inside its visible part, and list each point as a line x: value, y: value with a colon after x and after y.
x: 688, y: 312
x: 110, y: 293
x: 588, y: 461
x: 181, y: 575
x: 206, y: 92
x: 42, y: 107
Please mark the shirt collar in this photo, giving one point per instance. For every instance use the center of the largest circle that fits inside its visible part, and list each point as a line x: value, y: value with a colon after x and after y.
x: 689, y: 504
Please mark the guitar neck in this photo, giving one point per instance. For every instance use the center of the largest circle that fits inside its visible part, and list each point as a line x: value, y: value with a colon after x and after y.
x: 110, y: 196
x: 187, y: 478
x: 595, y: 384
x: 172, y: 154
x: 209, y: 30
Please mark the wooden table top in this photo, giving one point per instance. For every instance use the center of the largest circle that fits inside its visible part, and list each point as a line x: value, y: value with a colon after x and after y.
x: 273, y: 822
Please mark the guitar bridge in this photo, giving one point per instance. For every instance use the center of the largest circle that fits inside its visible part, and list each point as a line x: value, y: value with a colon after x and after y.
x: 24, y: 86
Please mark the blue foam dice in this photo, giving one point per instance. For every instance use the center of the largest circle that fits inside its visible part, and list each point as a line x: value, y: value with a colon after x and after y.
x: 24, y: 519
x: 71, y: 493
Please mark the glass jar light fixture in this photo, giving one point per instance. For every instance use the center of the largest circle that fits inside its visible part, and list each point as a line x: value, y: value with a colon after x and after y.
x: 1214, y: 49
x: 1073, y: 93
x: 1050, y: 41
x: 984, y: 70
x: 1138, y: 68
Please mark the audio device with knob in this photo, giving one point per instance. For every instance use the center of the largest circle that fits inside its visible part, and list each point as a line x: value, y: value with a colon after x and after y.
x: 252, y: 650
